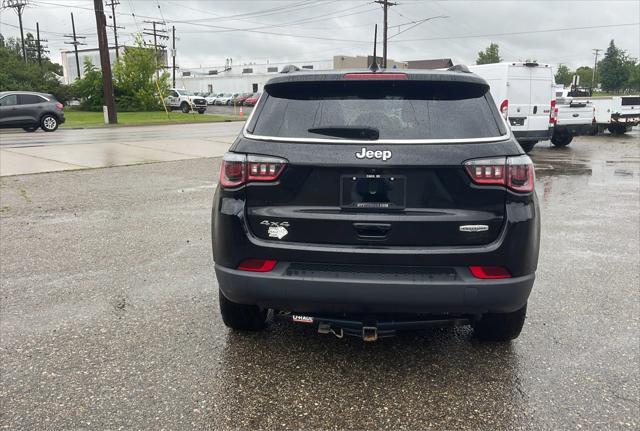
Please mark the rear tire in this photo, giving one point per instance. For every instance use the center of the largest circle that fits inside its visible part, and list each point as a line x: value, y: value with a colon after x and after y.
x: 500, y: 326
x: 49, y: 123
x: 242, y: 317
x: 30, y: 129
x: 185, y: 108
x: 527, y: 146
x: 617, y: 129
x: 561, y: 139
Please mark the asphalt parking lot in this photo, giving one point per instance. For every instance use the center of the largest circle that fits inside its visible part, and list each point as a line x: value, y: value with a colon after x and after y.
x: 109, y: 316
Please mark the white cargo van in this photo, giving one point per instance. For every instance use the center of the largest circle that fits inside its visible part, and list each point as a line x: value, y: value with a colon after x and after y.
x: 524, y: 94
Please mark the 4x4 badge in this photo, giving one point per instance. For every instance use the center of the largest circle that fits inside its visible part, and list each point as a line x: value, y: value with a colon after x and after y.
x: 276, y: 229
x: 384, y: 155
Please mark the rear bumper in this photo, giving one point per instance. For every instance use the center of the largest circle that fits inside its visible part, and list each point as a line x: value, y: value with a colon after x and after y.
x: 574, y: 129
x: 361, y: 291
x: 532, y: 135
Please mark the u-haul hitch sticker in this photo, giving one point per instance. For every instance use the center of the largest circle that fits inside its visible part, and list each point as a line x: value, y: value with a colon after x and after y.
x: 301, y: 319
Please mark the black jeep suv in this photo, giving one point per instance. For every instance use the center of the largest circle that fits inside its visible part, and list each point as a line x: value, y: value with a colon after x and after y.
x: 365, y: 202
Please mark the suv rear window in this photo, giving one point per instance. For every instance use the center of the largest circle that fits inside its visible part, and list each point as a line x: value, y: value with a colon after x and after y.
x: 396, y: 109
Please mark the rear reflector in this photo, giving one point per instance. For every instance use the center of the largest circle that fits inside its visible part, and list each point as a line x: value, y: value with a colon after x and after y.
x: 375, y: 76
x: 489, y: 272
x: 257, y: 265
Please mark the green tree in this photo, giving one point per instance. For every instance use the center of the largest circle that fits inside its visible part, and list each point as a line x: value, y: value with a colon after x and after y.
x: 491, y: 54
x: 563, y: 75
x: 613, y: 68
x: 89, y: 88
x: 633, y: 83
x: 16, y: 74
x: 137, y: 88
x: 586, y: 75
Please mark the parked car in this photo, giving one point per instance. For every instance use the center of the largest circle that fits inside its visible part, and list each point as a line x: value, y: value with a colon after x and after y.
x: 211, y: 98
x: 225, y: 99
x: 364, y: 202
x: 524, y: 93
x: 239, y: 100
x: 30, y: 111
x: 252, y: 100
x: 185, y: 101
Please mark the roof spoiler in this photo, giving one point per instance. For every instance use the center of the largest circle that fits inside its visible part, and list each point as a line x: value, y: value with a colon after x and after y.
x: 459, y: 68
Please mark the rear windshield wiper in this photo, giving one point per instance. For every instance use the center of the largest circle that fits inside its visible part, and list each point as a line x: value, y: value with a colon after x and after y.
x: 348, y: 132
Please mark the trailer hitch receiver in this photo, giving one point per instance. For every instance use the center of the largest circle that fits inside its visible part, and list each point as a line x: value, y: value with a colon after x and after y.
x: 369, y: 333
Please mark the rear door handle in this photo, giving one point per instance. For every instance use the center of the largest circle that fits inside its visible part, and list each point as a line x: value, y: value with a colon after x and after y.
x: 372, y: 231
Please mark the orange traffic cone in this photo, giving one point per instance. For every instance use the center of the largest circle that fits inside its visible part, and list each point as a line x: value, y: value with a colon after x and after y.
x: 241, y: 113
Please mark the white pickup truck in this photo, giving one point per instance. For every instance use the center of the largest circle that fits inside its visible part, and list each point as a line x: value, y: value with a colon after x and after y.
x: 185, y: 101
x: 618, y: 114
x: 572, y: 118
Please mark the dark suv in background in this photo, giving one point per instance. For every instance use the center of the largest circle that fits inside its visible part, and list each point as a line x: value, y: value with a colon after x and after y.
x: 365, y: 202
x: 28, y: 110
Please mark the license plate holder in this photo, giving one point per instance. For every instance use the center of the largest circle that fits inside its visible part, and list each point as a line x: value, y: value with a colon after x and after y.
x: 373, y: 192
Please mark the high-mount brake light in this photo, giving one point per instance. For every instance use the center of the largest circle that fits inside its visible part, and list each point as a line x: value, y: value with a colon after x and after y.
x: 376, y: 75
x: 489, y: 272
x: 257, y: 265
x: 504, y: 109
x: 239, y: 169
x: 516, y: 173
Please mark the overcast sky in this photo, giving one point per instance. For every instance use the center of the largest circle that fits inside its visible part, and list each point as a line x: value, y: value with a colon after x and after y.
x: 209, y: 31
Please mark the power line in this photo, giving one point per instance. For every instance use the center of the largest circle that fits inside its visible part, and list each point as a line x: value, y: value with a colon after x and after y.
x: 550, y: 30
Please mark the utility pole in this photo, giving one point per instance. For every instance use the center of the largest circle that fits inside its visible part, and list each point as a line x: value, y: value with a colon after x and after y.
x: 105, y: 62
x: 385, y: 4
x: 173, y: 54
x: 18, y: 6
x: 39, y: 46
x: 75, y: 43
x: 595, y: 66
x: 157, y: 34
x: 115, y: 26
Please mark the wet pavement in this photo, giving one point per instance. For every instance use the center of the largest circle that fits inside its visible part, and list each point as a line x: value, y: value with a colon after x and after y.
x: 69, y: 149
x: 109, y: 317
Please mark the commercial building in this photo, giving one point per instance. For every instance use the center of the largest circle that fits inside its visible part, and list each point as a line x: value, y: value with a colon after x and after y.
x: 251, y: 77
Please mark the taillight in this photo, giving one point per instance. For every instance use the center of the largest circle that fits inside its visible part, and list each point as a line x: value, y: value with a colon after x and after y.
x: 265, y: 168
x: 553, y: 114
x: 257, y: 265
x: 516, y: 173
x: 239, y: 169
x: 489, y: 272
x: 60, y: 106
x: 520, y: 174
x: 233, y: 170
x: 504, y: 109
